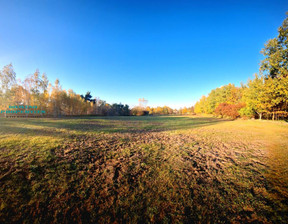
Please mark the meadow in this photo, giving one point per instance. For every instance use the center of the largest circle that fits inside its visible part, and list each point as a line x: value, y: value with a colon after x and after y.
x: 152, y: 169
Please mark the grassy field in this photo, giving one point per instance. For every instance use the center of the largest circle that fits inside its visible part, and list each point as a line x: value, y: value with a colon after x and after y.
x: 143, y: 170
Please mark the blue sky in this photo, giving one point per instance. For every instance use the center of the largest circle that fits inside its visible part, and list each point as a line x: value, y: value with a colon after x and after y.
x: 169, y: 52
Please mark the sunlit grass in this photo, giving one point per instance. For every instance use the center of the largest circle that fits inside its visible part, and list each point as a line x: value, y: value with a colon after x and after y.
x: 143, y: 169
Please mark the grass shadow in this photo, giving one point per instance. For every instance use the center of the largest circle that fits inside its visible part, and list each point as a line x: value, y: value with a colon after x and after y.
x: 52, y: 126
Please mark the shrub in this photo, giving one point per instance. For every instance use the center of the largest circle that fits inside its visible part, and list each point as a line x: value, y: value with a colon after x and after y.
x: 138, y: 111
x: 229, y: 110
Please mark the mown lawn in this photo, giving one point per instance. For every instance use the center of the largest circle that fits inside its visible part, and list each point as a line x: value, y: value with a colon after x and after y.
x: 143, y: 170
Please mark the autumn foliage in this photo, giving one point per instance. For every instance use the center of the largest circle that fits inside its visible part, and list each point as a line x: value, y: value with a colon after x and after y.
x: 265, y: 96
x: 229, y: 110
x: 36, y: 90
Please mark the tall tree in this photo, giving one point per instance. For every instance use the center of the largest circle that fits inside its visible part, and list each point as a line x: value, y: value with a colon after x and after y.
x: 275, y: 51
x: 7, y: 81
x: 255, y: 97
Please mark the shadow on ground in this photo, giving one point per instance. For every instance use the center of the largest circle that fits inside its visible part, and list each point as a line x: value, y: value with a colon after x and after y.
x: 51, y: 126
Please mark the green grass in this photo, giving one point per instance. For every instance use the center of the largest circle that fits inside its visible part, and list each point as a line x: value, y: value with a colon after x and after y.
x: 158, y: 169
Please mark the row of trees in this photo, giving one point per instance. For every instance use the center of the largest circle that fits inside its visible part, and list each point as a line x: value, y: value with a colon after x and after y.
x: 140, y: 111
x: 36, y: 90
x: 167, y: 110
x: 266, y: 95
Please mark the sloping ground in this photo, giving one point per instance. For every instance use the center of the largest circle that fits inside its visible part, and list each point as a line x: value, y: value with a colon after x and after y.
x: 231, y: 172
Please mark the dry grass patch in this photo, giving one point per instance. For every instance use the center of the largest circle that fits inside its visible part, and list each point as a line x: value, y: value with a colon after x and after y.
x: 225, y: 172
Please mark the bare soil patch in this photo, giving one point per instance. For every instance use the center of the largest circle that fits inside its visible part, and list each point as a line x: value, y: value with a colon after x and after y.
x: 143, y: 177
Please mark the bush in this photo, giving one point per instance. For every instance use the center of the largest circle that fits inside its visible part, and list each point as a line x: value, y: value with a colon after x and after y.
x: 138, y: 111
x: 229, y: 110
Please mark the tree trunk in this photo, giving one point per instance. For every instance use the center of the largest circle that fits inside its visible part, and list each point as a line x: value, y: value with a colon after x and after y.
x: 273, y: 117
x: 260, y: 116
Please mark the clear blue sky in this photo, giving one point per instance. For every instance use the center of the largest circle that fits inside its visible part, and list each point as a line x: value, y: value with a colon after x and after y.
x: 169, y: 52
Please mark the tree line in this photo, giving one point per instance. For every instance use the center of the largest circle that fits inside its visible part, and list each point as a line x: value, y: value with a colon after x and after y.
x: 264, y: 96
x: 165, y: 110
x: 36, y: 90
